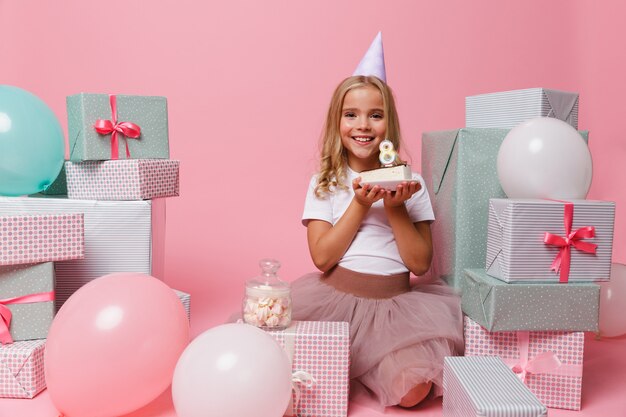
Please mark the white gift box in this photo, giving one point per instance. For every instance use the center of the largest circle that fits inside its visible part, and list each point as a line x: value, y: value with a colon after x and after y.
x: 507, y: 109
x: 120, y: 236
x: 516, y: 240
x: 485, y: 386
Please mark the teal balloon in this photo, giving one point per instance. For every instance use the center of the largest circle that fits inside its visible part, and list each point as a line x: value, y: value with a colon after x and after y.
x: 32, y: 148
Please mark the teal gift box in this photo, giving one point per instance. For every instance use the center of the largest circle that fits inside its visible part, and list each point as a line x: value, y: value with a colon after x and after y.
x: 31, y: 317
x: 460, y: 170
x: 142, y: 116
x: 499, y: 306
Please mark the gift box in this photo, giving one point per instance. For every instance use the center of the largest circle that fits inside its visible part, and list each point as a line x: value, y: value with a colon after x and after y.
x: 507, y: 109
x: 186, y: 300
x: 40, y: 237
x: 320, y: 357
x: 498, y: 306
x: 129, y: 179
x: 550, y: 363
x: 485, y: 386
x: 550, y: 241
x: 460, y: 171
x: 102, y: 126
x: 27, y: 292
x: 21, y: 369
x: 58, y: 186
x: 120, y: 236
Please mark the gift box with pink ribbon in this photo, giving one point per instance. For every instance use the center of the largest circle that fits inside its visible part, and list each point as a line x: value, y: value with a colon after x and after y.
x: 320, y: 356
x: 103, y: 126
x: 26, y: 301
x: 31, y: 238
x: 550, y: 363
x: 21, y: 369
x: 532, y: 240
x: 132, y: 179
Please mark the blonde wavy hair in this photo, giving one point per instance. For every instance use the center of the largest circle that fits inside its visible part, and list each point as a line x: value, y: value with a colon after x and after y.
x: 333, y: 159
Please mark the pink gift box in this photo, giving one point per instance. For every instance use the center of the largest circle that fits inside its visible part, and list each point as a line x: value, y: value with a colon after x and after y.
x: 126, y: 179
x: 548, y: 362
x: 26, y: 239
x: 21, y: 369
x: 320, y: 355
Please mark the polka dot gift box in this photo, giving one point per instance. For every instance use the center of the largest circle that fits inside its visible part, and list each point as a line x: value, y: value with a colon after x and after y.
x: 499, y: 306
x: 28, y: 238
x: 320, y: 356
x: 132, y: 179
x: 21, y: 369
x: 103, y: 126
x: 460, y: 171
x: 27, y: 292
x: 550, y: 363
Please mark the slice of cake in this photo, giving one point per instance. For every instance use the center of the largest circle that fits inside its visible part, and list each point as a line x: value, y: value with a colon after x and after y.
x: 387, y: 177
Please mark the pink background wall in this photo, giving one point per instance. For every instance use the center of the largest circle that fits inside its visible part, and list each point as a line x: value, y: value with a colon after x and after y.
x: 248, y: 84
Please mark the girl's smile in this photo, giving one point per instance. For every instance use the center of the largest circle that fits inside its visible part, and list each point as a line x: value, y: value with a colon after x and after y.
x: 363, y: 127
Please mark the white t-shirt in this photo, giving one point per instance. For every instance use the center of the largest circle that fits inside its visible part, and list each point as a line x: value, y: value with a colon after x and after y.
x: 374, y: 249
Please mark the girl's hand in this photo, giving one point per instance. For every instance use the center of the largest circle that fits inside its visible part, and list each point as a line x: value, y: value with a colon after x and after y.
x: 365, y: 195
x: 403, y: 192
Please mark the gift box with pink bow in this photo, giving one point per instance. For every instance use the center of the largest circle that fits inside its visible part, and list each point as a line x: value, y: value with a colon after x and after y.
x: 320, y: 356
x: 26, y: 301
x: 21, y: 369
x: 550, y: 363
x: 532, y: 240
x: 103, y: 126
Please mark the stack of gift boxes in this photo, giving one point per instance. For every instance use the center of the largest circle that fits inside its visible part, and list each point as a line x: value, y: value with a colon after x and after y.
x: 104, y: 214
x: 525, y: 267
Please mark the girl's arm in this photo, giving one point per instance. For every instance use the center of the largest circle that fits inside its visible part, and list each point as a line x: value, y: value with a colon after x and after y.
x: 413, y: 239
x: 328, y: 243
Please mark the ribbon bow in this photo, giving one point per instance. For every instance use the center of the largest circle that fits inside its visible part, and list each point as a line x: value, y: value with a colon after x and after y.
x: 563, y: 258
x: 300, y: 379
x: 113, y: 127
x: 544, y: 363
x: 6, y: 315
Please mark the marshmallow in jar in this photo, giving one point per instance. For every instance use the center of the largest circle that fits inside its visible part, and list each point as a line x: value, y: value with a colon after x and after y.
x: 267, y: 303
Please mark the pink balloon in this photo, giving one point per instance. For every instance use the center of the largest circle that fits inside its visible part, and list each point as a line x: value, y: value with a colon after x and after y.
x: 232, y: 370
x: 612, y: 302
x: 113, y: 346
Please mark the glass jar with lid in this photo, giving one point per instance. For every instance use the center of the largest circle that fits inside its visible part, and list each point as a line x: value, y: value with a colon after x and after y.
x: 267, y: 302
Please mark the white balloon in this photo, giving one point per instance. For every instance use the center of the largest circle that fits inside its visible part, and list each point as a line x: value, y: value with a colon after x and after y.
x: 544, y: 158
x: 232, y: 370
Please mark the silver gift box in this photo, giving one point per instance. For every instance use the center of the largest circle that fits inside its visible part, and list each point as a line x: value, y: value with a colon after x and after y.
x: 507, y: 109
x: 120, y: 236
x: 516, y: 251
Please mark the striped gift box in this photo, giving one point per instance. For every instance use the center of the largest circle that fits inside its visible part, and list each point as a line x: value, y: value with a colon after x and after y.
x: 128, y: 179
x: 40, y: 237
x: 120, y: 236
x: 507, y: 109
x: 186, y: 300
x: 321, y: 351
x: 516, y: 251
x: 21, y: 369
x: 485, y: 386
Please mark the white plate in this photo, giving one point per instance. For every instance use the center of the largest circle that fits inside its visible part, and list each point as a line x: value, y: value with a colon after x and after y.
x: 387, y: 184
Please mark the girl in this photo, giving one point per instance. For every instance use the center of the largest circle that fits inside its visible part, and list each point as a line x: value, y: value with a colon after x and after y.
x: 365, y: 241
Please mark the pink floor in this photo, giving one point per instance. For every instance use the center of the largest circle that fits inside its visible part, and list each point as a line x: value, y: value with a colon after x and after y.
x: 604, y: 391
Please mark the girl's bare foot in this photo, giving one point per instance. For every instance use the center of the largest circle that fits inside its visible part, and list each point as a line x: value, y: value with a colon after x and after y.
x: 416, y: 395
